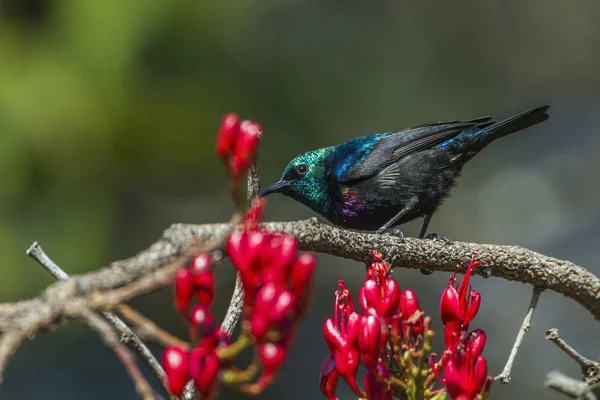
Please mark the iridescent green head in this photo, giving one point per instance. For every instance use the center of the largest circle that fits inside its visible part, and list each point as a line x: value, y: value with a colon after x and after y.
x: 305, y: 179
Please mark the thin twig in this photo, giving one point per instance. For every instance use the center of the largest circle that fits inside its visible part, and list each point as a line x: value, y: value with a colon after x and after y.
x: 236, y: 305
x: 568, y: 386
x: 504, y: 377
x: 148, y: 330
x: 589, y: 368
x: 111, y: 339
x: 36, y: 252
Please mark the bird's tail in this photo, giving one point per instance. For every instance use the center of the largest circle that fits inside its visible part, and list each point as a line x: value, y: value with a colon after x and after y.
x: 484, y: 136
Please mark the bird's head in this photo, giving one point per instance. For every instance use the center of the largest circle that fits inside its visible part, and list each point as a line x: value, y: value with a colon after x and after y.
x: 305, y: 179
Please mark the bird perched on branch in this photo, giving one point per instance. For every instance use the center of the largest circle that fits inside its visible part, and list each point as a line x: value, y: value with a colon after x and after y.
x: 378, y: 181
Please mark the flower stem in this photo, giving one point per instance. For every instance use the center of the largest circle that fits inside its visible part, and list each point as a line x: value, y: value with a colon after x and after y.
x: 231, y: 351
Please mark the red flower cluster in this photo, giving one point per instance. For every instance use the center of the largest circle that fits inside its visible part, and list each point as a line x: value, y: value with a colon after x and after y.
x: 201, y: 363
x: 353, y: 337
x: 276, y: 288
x: 465, y: 369
x: 237, y: 143
x: 276, y: 285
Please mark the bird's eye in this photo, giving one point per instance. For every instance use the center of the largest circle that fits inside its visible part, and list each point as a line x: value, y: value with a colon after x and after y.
x: 302, y: 169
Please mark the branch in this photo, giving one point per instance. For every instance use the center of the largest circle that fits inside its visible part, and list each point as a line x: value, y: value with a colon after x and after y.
x: 504, y: 377
x: 509, y: 262
x: 571, y: 387
x: 112, y: 340
x: 155, y: 268
x: 36, y: 252
x: 147, y: 330
x: 590, y: 369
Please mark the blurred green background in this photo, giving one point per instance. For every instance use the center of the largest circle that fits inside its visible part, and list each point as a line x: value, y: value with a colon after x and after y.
x: 109, y: 109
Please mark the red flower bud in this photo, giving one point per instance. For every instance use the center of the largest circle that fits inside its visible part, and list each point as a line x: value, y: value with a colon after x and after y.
x: 411, y: 312
x: 200, y: 264
x: 202, y: 278
x: 329, y: 378
x: 377, y: 390
x: 346, y: 363
x: 473, y: 307
x: 226, y: 137
x: 201, y: 322
x: 204, y: 367
x: 272, y: 357
x: 183, y: 291
x: 204, y: 288
x: 369, y: 295
x: 278, y: 255
x: 480, y: 374
x: 451, y: 333
x: 245, y: 146
x: 301, y: 274
x: 260, y: 318
x: 476, y: 343
x: 175, y: 364
x: 353, y: 328
x: 369, y: 340
x: 284, y: 307
x: 391, y: 297
x: 333, y: 337
x: 450, y: 306
x: 369, y: 334
x: 382, y: 295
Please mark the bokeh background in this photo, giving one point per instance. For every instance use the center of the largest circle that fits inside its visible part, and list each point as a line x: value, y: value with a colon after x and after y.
x: 109, y: 109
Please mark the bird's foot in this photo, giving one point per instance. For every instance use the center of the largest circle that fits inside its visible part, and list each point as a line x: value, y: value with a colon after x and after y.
x: 392, y: 232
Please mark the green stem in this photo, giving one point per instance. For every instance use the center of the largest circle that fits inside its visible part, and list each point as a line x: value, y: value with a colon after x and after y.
x: 236, y: 377
x: 230, y: 352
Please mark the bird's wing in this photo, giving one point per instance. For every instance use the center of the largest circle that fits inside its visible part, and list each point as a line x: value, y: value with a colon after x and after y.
x: 364, y: 157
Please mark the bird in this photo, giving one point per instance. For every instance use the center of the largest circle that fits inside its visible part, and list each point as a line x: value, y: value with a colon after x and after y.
x: 380, y: 181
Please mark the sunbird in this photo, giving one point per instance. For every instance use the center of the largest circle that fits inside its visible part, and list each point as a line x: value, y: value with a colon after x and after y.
x: 375, y: 182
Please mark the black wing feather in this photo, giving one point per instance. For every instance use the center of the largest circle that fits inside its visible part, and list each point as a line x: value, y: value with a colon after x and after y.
x: 390, y: 149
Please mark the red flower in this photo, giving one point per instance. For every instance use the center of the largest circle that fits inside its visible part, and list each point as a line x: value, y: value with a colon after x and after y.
x: 459, y: 305
x: 412, y: 316
x: 465, y: 369
x: 204, y: 367
x: 226, y: 137
x: 329, y: 378
x: 245, y: 147
x: 273, y: 310
x: 465, y: 373
x: 369, y: 339
x: 341, y: 335
x: 379, y: 291
x: 201, y: 323
x: 374, y: 383
x: 184, y: 290
x: 301, y: 274
x: 272, y: 357
x: 175, y: 364
x: 202, y: 278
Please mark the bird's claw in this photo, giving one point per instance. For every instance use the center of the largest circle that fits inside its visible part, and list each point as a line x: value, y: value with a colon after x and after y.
x: 392, y: 232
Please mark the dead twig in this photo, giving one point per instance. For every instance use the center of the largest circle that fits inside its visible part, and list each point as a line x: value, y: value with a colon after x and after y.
x: 504, y: 377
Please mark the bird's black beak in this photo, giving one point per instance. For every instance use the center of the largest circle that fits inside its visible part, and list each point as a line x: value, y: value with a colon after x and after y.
x: 274, y: 188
